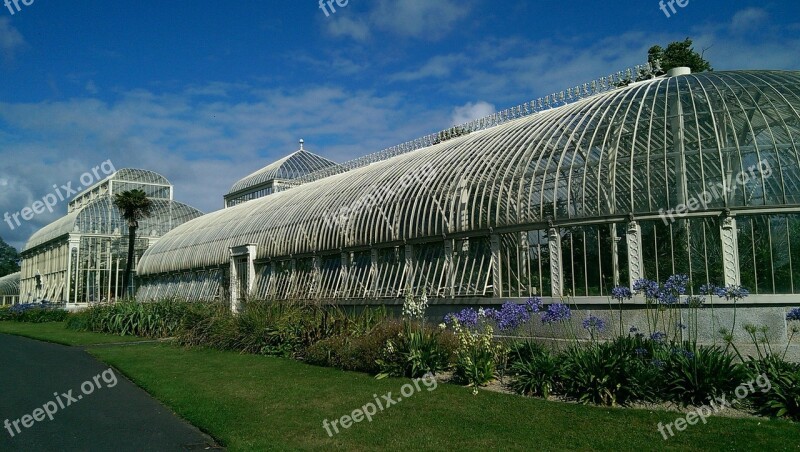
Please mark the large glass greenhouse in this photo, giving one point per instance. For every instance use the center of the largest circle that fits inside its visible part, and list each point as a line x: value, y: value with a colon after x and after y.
x: 695, y: 174
x: 9, y: 289
x: 80, y: 257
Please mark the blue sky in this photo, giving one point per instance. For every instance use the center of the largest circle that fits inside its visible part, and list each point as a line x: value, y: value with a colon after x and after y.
x: 206, y: 92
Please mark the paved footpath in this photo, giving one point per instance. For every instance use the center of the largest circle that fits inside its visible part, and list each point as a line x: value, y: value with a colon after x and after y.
x: 92, y: 408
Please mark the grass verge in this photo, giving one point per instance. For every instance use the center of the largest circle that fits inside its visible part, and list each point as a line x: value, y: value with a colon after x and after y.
x: 57, y: 332
x: 257, y: 403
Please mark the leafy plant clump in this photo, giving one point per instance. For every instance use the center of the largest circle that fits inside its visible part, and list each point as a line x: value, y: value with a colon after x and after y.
x: 418, y: 349
x: 33, y: 313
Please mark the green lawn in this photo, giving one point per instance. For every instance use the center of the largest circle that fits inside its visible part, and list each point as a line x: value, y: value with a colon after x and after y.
x: 257, y: 403
x: 57, y: 332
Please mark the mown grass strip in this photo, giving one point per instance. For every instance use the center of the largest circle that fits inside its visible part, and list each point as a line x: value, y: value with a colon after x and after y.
x: 257, y: 403
x: 57, y: 332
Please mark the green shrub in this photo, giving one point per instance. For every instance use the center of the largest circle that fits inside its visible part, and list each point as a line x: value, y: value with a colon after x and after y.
x: 280, y: 328
x: 212, y: 326
x: 415, y: 352
x: 42, y: 316
x: 129, y: 318
x: 355, y: 351
x: 783, y: 397
x: 477, y: 355
x: 609, y: 373
x: 33, y: 313
x: 535, y: 371
x: 692, y: 377
x: 523, y: 351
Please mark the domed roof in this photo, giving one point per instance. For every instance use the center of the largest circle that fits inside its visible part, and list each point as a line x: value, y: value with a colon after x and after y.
x: 100, y: 216
x: 9, y: 284
x: 292, y: 166
x: 633, y: 150
x: 139, y: 175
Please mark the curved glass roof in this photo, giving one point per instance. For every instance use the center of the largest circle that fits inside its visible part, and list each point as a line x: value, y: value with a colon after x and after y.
x: 290, y: 167
x: 635, y: 150
x: 9, y: 284
x: 139, y: 175
x: 100, y: 216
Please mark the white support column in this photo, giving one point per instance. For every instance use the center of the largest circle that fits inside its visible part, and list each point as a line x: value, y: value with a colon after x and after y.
x: 316, y: 280
x: 497, y: 266
x: 635, y: 258
x: 409, y: 267
x: 449, y: 273
x: 292, y: 289
x: 556, y: 267
x: 373, y: 273
x: 73, y: 245
x: 344, y: 276
x: 524, y: 259
x: 730, y: 250
x: 241, y: 277
x: 614, y: 254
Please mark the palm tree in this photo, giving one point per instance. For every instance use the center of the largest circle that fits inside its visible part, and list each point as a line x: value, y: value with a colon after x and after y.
x: 134, y: 205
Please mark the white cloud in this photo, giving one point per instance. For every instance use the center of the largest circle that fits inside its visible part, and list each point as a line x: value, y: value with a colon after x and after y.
x: 437, y: 67
x: 509, y: 71
x: 748, y: 19
x: 343, y: 26
x: 427, y: 19
x: 199, y: 138
x: 421, y: 19
x: 11, y: 40
x: 472, y: 111
x: 91, y: 88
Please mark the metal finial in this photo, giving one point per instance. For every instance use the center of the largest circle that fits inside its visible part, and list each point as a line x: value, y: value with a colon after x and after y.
x: 301, y: 143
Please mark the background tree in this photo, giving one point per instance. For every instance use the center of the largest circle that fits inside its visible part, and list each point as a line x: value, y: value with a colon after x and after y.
x: 9, y: 259
x: 677, y: 54
x: 134, y: 205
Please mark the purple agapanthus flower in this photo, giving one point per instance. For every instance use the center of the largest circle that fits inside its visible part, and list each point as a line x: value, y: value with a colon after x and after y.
x: 594, y: 324
x: 732, y: 293
x: 708, y: 289
x: 649, y: 288
x: 794, y: 314
x: 467, y: 317
x: 680, y: 351
x: 677, y: 284
x: 534, y: 304
x: 658, y: 336
x: 489, y: 313
x: 511, y: 316
x: 621, y: 293
x: 556, y: 312
x: 657, y: 363
x: 667, y: 297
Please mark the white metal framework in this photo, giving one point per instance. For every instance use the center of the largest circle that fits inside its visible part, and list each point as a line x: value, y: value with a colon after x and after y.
x: 276, y: 177
x: 695, y: 174
x: 81, y: 256
x: 9, y: 289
